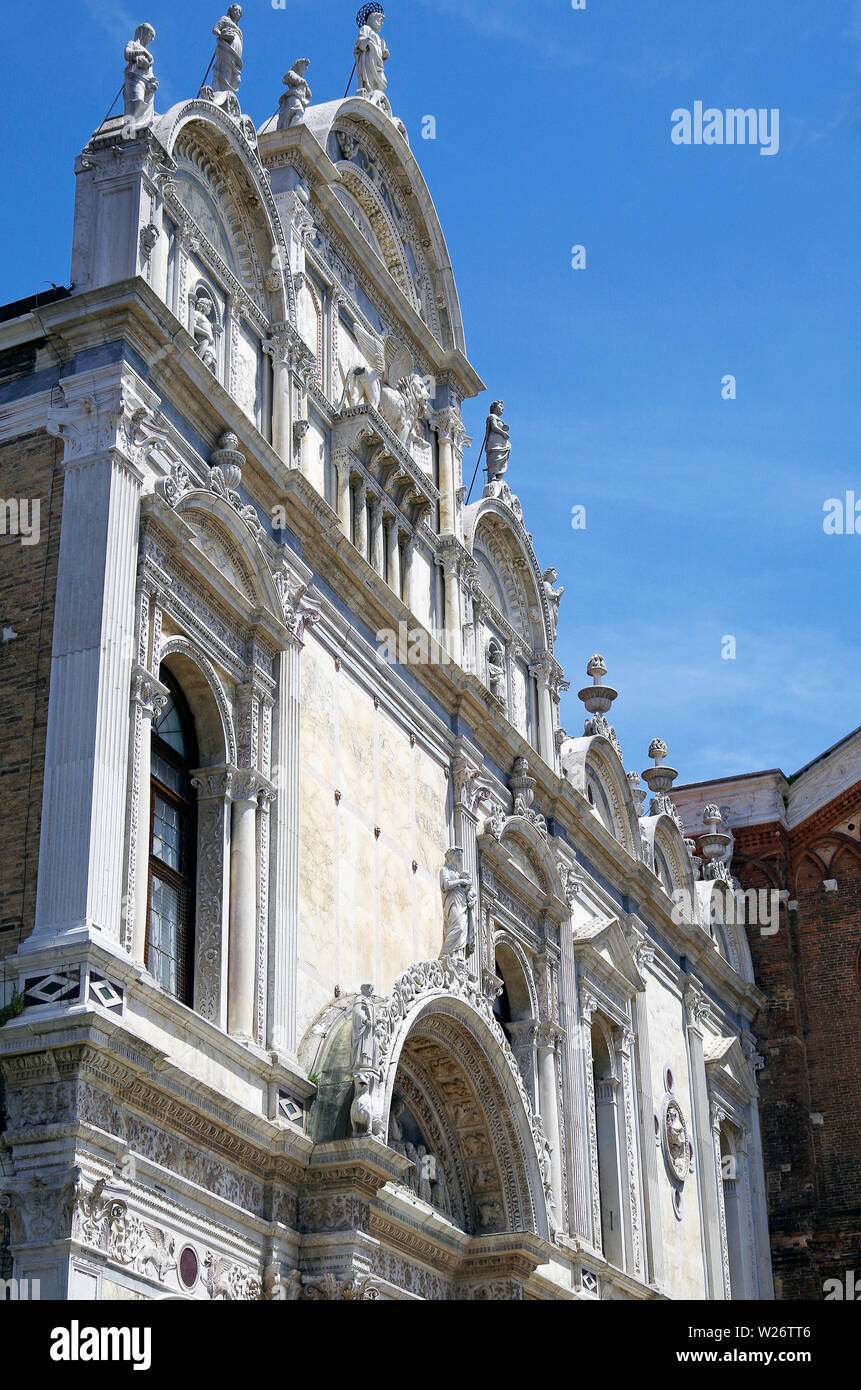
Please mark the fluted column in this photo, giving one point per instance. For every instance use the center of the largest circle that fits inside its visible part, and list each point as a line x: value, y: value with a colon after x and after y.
x: 149, y: 697
x: 703, y: 1139
x: 409, y: 577
x: 452, y: 606
x: 645, y: 955
x: 285, y: 856
x: 243, y: 906
x: 578, y: 1039
x: 377, y: 556
x: 393, y: 557
x: 278, y: 349
x: 104, y: 425
x: 361, y: 527
x: 546, y: 741
x: 342, y: 469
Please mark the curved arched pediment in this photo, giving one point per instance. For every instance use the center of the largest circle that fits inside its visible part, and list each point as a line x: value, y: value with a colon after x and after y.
x: 220, y: 185
x: 508, y: 572
x: 383, y: 178
x: 228, y: 542
x: 721, y: 916
x: 670, y: 860
x: 592, y: 763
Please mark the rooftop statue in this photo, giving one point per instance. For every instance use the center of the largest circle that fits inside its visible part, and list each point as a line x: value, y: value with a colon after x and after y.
x: 371, y: 53
x: 295, y: 101
x: 498, y: 443
x: 227, y: 73
x: 139, y: 85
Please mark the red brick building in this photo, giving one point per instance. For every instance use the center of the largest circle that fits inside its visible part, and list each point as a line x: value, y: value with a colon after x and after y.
x: 801, y: 836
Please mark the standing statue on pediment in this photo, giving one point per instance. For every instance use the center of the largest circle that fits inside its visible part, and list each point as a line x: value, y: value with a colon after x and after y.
x: 139, y: 85
x: 371, y: 54
x: 296, y: 100
x: 554, y: 595
x: 498, y: 443
x: 227, y: 72
x: 365, y: 1051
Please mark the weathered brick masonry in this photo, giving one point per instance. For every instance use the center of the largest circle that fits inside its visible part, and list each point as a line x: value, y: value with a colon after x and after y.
x: 810, y: 1030
x: 28, y: 573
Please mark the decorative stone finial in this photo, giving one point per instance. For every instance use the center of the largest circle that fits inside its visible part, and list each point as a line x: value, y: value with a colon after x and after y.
x: 638, y: 791
x: 691, y: 847
x: 295, y: 101
x: 714, y: 844
x: 598, y: 699
x: 139, y: 84
x: 658, y: 751
x: 659, y: 779
x: 227, y: 464
x: 227, y: 69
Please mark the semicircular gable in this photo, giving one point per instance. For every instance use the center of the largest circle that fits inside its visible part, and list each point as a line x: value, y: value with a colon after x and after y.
x: 220, y: 186
x: 227, y: 542
x: 508, y: 573
x: 593, y: 762
x: 383, y: 175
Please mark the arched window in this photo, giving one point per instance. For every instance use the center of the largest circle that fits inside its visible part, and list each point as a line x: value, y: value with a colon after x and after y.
x: 173, y: 838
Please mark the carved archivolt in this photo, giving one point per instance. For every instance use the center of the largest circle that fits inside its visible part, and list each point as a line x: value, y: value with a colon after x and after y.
x: 187, y: 649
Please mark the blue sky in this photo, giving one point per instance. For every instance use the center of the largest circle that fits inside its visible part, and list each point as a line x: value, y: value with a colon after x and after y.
x: 704, y: 516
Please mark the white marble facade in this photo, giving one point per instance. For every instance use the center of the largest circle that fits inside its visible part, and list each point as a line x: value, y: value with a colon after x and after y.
x: 261, y: 408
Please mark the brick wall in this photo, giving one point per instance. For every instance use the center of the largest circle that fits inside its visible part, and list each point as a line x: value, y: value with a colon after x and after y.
x: 29, y: 468
x: 810, y: 1036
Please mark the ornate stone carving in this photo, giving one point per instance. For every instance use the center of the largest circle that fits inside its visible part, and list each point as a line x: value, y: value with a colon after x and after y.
x: 523, y: 790
x: 674, y: 1138
x: 228, y: 1282
x: 389, y: 386
x: 202, y: 328
x: 364, y: 1063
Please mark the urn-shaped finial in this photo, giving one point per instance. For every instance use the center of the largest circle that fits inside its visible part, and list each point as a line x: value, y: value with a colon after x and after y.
x: 597, y: 697
x: 227, y: 462
x: 659, y: 779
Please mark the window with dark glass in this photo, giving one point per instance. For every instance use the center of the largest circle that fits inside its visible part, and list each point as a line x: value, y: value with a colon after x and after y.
x: 173, y: 837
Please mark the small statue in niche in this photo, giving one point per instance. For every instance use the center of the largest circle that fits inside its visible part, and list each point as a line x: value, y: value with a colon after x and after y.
x: 227, y: 71
x: 496, y: 671
x: 371, y: 54
x: 365, y: 1054
x: 458, y: 905
x: 202, y: 329
x: 498, y: 443
x: 554, y: 595
x: 139, y: 84
x: 296, y: 100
